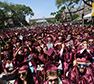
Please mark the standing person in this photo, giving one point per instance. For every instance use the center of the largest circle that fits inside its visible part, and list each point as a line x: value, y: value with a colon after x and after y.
x: 78, y: 40
x: 81, y: 73
x: 49, y: 43
x: 24, y: 75
x: 37, y: 60
x: 67, y: 55
x: 69, y: 37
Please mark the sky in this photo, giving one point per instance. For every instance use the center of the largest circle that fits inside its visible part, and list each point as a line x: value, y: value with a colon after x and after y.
x: 41, y: 8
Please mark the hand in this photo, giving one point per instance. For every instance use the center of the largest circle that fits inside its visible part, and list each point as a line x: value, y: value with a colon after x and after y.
x: 85, y: 46
x: 27, y: 45
x: 6, y: 74
x: 78, y: 43
x: 11, y: 72
x: 63, y: 46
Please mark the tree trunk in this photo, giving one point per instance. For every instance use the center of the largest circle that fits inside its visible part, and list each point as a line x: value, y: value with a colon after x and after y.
x: 70, y: 13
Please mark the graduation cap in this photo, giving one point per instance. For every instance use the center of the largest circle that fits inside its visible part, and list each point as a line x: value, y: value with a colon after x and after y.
x: 50, y: 66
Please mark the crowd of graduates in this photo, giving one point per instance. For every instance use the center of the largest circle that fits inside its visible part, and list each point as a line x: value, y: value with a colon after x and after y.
x: 47, y: 54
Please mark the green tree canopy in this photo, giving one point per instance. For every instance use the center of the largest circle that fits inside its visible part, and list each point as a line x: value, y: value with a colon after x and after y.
x: 75, y: 16
x: 71, y: 2
x: 16, y: 11
x: 2, y: 18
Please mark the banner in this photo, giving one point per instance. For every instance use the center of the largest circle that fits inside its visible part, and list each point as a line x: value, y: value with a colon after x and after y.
x: 92, y: 9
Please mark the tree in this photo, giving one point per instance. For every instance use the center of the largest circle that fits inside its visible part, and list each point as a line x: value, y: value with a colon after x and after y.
x: 60, y: 2
x: 75, y: 16
x: 17, y: 12
x: 33, y: 23
x: 69, y: 4
x: 58, y: 14
x: 49, y: 20
x: 53, y: 13
x: 58, y: 17
x: 2, y: 18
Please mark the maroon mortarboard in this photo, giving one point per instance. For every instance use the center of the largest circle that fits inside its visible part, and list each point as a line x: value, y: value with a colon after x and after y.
x: 50, y: 66
x: 38, y: 47
x: 81, y: 59
x: 50, y: 51
x: 67, y: 42
x: 49, y: 38
x: 90, y: 38
x: 4, y: 52
x: 84, y: 39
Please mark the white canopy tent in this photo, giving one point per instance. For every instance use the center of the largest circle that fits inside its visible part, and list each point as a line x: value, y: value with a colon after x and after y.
x: 87, y: 16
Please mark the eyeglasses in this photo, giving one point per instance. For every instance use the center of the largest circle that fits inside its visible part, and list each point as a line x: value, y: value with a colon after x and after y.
x: 23, y: 74
x: 84, y: 65
x: 53, y: 80
x: 90, y: 41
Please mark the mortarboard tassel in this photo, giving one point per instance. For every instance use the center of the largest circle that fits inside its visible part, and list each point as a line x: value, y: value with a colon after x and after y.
x: 75, y: 62
x: 47, y: 59
x: 43, y: 74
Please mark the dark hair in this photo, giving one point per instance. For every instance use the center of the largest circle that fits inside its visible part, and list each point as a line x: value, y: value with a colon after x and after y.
x: 84, y: 40
x: 52, y: 73
x: 41, y: 51
x: 29, y: 78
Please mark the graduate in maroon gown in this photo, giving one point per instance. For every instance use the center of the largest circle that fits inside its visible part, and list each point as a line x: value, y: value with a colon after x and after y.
x: 53, y: 75
x: 24, y: 75
x: 83, y: 48
x: 81, y: 73
x: 37, y: 61
x: 67, y: 55
x: 91, y: 42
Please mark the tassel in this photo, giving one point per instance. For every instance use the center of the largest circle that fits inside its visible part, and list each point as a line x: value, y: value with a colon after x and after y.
x: 47, y: 59
x: 75, y: 62
x: 43, y: 75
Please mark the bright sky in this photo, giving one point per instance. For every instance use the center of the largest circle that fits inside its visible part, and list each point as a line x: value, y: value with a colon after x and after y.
x: 41, y: 8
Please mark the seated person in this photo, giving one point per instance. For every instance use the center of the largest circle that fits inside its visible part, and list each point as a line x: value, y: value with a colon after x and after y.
x: 8, y: 66
x: 81, y: 73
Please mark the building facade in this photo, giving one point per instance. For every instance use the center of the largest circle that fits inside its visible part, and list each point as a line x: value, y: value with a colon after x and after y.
x: 40, y: 19
x: 81, y: 11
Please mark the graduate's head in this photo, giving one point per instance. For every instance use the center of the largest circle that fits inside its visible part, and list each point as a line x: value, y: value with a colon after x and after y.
x: 68, y: 44
x: 69, y: 36
x: 86, y: 34
x: 49, y: 39
x: 26, y: 51
x: 84, y: 42
x: 53, y: 77
x: 6, y: 54
x: 81, y: 65
x: 39, y: 49
x: 90, y: 41
x: 22, y: 72
x: 52, y: 72
x: 60, y: 38
x: 18, y: 44
x: 79, y: 36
